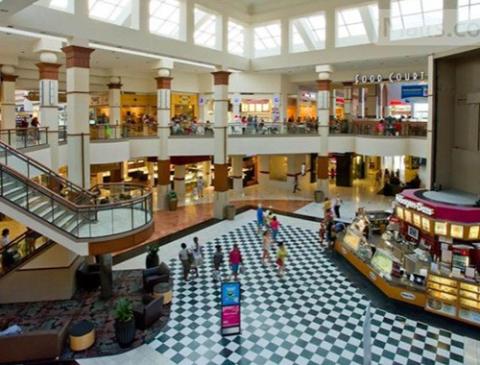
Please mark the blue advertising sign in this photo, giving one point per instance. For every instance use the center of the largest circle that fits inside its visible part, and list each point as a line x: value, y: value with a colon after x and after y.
x: 414, y: 91
x: 230, y: 308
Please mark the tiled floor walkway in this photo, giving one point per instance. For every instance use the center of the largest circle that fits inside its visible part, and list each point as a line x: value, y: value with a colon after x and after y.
x: 313, y: 316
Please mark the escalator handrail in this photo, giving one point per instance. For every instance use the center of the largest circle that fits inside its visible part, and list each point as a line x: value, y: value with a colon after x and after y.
x: 45, y: 169
x: 13, y: 242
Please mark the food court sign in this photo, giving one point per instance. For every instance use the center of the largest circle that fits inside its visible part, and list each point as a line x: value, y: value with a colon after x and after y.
x: 391, y: 77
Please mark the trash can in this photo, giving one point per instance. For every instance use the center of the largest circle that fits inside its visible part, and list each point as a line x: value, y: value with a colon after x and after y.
x: 319, y: 196
x: 230, y: 212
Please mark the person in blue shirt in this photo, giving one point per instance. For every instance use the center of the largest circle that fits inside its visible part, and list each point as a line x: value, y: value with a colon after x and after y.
x: 260, y: 221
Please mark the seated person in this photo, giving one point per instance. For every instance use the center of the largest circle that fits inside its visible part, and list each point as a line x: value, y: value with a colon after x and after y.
x: 9, y: 330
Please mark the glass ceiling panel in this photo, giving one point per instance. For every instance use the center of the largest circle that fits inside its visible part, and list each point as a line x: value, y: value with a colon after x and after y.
x: 165, y: 17
x: 308, y: 33
x: 357, y: 25
x: 111, y: 11
x: 267, y: 39
x: 468, y: 10
x: 62, y: 5
x: 236, y: 38
x: 205, y: 28
x: 416, y: 18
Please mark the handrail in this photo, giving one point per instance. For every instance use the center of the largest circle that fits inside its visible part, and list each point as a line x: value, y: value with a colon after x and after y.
x: 13, y: 242
x: 45, y: 169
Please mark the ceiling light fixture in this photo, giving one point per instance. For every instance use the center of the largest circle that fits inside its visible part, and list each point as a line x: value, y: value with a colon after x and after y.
x: 27, y: 33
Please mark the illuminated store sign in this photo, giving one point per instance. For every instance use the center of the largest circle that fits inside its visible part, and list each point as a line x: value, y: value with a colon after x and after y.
x: 414, y: 205
x: 392, y: 77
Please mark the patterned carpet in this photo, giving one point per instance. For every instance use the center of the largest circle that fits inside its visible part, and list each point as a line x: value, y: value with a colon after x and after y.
x: 86, y: 305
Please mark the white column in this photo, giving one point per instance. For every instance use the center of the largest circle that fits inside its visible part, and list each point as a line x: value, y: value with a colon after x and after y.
x: 384, y: 21
x: 78, y: 103
x: 8, y: 98
x: 179, y: 181
x: 115, y: 101
x: 220, y: 88
x: 237, y: 173
x: 291, y: 171
x: 323, y: 98
x: 450, y: 16
x: 347, y: 92
x: 48, y: 70
x: 430, y: 136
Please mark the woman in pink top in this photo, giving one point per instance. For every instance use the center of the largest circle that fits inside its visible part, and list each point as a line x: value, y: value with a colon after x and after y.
x: 235, y: 261
x: 275, y: 227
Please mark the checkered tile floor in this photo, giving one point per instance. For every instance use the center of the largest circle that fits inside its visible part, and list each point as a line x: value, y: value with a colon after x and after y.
x: 313, y: 315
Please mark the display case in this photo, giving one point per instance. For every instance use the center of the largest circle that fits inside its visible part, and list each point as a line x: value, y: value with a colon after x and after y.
x: 469, y: 302
x: 442, y: 295
x: 382, y: 261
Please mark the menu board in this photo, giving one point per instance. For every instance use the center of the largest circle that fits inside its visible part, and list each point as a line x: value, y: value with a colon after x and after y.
x: 408, y: 216
x: 400, y: 214
x: 474, y: 232
x: 417, y: 220
x: 441, y: 228
x: 456, y: 231
x: 426, y: 224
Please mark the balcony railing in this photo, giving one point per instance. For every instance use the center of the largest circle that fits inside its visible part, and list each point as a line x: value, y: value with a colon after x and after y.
x: 272, y: 129
x: 101, y: 132
x: 25, y: 137
x: 375, y: 128
x: 191, y: 129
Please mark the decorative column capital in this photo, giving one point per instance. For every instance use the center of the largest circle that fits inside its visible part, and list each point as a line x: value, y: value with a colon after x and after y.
x: 48, y: 71
x: 77, y: 56
x: 8, y: 78
x: 115, y: 85
x: 164, y: 82
x: 324, y: 85
x: 221, y: 77
x: 348, y: 83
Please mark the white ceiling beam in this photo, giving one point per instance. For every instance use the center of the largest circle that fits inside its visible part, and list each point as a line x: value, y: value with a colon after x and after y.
x: 305, y: 36
x: 368, y: 24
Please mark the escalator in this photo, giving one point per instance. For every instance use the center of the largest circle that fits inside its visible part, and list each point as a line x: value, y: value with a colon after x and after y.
x: 21, y: 250
x: 62, y: 211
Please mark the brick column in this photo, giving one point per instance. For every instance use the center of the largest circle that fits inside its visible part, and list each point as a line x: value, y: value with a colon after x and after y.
x: 220, y: 90
x: 237, y: 173
x: 323, y: 98
x: 78, y: 103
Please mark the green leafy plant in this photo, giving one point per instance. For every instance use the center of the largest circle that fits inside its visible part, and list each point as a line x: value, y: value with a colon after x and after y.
x: 153, y: 248
x: 172, y: 195
x: 123, y: 310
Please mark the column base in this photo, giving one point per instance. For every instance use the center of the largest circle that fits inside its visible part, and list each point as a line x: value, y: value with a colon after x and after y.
x: 162, y: 191
x: 322, y: 185
x: 106, y: 277
x: 219, y: 203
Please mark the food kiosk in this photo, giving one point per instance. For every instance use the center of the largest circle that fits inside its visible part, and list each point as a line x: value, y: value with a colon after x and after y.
x: 428, y: 256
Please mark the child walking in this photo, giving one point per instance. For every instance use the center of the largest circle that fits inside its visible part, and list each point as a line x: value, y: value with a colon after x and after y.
x: 217, y: 262
x: 281, y: 258
x: 266, y: 247
x: 275, y: 227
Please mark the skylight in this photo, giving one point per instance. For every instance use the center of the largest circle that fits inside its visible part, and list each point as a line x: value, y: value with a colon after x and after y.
x: 468, y: 14
x: 415, y: 18
x: 236, y: 38
x: 357, y: 25
x: 62, y: 5
x: 308, y: 33
x: 267, y: 39
x: 166, y: 18
x: 207, y: 29
x: 111, y: 11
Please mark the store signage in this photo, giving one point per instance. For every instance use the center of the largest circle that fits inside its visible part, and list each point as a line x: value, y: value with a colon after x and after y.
x: 414, y: 205
x: 201, y: 101
x: 230, y: 308
x: 276, y: 100
x: 392, y: 77
x: 407, y: 295
x: 236, y: 100
x: 414, y: 91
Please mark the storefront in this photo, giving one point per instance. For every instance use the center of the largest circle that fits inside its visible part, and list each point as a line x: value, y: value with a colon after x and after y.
x: 428, y: 255
x: 185, y: 105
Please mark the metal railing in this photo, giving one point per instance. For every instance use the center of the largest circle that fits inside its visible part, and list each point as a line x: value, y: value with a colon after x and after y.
x: 79, y: 221
x: 377, y: 128
x: 272, y: 129
x: 102, y: 132
x: 21, y: 249
x: 25, y: 137
x: 191, y: 129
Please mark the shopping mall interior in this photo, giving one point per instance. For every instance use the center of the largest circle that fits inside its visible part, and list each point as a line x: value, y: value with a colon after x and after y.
x: 239, y: 182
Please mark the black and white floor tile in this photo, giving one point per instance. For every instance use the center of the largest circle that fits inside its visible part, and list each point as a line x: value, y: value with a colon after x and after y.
x: 313, y: 315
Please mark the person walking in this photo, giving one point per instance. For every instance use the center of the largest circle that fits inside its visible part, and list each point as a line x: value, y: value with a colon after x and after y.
x: 336, y: 206
x: 235, y: 259
x: 322, y: 232
x: 260, y: 220
x: 200, y: 186
x: 295, y: 184
x: 281, y: 258
x: 275, y: 227
x: 327, y: 207
x: 197, y: 255
x: 267, y: 241
x: 186, y: 259
x: 217, y: 262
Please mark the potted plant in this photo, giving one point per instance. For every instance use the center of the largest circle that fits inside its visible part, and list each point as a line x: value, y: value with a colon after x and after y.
x: 172, y: 200
x: 124, y: 322
x: 152, y: 259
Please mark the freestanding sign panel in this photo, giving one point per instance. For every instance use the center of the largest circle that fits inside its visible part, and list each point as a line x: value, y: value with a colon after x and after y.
x: 230, y: 308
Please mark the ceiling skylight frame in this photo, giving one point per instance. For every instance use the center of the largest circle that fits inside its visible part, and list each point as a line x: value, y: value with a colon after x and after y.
x: 167, y: 18
x: 267, y: 39
x: 356, y: 25
x: 207, y: 28
x: 308, y: 33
